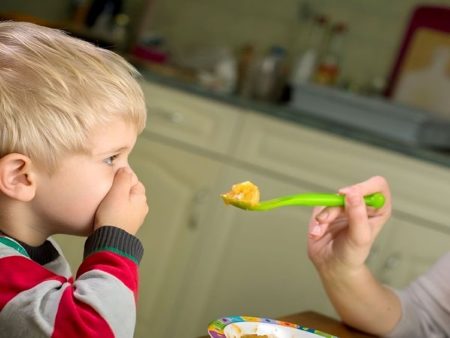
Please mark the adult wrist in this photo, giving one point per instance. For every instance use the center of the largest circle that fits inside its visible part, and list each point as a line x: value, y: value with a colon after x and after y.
x: 336, y: 271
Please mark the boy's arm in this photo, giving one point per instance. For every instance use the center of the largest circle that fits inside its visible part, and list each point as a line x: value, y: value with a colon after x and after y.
x: 106, y: 281
x: 339, y: 244
x: 101, y: 302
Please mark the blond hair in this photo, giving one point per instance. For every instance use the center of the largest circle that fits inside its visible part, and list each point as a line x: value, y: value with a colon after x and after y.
x: 55, y: 88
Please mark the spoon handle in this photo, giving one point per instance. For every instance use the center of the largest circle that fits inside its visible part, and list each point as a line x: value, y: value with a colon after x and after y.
x: 375, y: 200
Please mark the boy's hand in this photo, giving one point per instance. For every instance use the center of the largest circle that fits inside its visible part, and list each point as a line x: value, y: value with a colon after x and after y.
x: 125, y: 205
x: 340, y: 238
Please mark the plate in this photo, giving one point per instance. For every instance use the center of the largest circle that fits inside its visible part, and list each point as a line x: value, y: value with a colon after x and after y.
x: 237, y: 326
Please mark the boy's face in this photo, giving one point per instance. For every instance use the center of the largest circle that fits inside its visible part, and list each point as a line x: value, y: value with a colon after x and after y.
x: 67, y: 200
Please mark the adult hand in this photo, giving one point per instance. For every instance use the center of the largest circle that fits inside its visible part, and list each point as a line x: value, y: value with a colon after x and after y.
x: 340, y: 238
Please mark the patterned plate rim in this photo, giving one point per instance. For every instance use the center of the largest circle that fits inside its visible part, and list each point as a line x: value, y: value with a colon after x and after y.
x: 216, y: 328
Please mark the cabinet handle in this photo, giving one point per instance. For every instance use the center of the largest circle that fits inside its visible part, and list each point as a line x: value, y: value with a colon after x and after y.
x: 392, y: 262
x: 173, y: 117
x: 389, y: 267
x: 196, y: 208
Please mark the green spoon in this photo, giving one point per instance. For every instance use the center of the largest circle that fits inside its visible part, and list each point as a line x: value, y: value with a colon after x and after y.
x: 375, y: 200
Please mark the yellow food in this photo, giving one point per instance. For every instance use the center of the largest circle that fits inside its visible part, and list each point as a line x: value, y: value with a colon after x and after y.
x: 245, y: 192
x: 254, y: 336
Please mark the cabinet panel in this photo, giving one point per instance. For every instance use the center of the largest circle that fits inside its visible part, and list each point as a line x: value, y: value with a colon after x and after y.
x: 406, y: 250
x: 177, y: 184
x: 331, y: 162
x: 204, y: 260
x: 190, y: 119
x: 72, y: 248
x: 251, y: 263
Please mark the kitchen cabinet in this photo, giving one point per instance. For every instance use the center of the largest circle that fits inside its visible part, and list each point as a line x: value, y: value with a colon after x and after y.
x: 406, y: 249
x: 419, y: 229
x: 179, y: 158
x: 204, y: 260
x: 178, y: 187
x: 250, y: 263
x: 257, y: 264
x: 191, y: 120
x: 327, y: 161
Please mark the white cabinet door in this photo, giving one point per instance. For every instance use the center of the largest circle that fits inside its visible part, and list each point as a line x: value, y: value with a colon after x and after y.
x: 178, y: 185
x: 204, y: 260
x: 194, y: 120
x: 251, y: 263
x: 331, y: 161
x: 407, y: 249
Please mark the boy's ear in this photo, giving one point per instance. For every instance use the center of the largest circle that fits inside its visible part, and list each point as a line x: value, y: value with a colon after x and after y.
x: 16, y: 177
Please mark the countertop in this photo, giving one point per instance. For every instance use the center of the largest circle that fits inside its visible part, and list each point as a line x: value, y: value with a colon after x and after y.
x: 184, y: 82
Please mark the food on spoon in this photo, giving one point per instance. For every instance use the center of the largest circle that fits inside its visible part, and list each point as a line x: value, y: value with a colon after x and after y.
x: 245, y: 193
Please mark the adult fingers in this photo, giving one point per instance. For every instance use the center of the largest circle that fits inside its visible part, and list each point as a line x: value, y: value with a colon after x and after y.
x: 359, y: 230
x: 327, y: 215
x: 370, y: 186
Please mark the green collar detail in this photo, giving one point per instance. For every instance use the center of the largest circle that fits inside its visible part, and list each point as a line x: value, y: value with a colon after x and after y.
x: 14, y: 245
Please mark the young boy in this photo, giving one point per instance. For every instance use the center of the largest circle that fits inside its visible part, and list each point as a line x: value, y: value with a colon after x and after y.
x: 70, y: 114
x: 339, y: 244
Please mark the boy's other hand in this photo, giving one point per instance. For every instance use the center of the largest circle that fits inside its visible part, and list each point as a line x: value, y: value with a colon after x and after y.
x: 341, y: 238
x: 125, y: 205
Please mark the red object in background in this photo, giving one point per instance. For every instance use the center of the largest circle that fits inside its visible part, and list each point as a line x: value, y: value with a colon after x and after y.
x: 150, y: 54
x: 432, y: 17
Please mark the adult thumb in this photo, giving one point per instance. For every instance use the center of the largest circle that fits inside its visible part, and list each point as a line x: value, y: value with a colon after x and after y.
x: 355, y: 207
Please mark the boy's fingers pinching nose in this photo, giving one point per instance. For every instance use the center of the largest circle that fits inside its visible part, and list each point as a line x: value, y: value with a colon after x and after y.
x: 122, y: 181
x: 138, y: 189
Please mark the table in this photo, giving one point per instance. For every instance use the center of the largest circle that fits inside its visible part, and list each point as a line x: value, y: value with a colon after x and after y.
x: 323, y: 323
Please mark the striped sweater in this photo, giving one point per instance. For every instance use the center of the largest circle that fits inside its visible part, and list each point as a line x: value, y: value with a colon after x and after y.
x: 40, y: 298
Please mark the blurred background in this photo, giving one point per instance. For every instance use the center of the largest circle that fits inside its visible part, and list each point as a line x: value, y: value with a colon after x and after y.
x: 348, y: 44
x: 296, y: 95
x: 266, y: 52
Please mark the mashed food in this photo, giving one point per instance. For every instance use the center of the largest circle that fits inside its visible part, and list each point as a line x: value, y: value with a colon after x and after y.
x: 245, y: 192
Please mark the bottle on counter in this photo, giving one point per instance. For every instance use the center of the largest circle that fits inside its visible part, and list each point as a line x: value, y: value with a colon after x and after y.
x: 217, y: 69
x: 307, y: 62
x: 245, y: 65
x: 328, y: 68
x: 270, y: 75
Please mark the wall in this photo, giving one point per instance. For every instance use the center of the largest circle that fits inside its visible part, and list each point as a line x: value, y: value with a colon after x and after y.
x: 375, y: 27
x: 48, y: 10
x: 57, y: 11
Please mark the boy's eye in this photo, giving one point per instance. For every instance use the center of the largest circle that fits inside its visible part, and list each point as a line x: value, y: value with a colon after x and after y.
x: 110, y: 160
